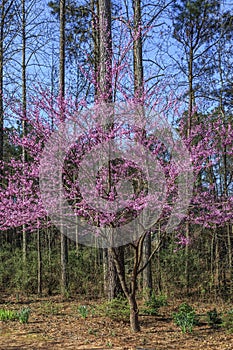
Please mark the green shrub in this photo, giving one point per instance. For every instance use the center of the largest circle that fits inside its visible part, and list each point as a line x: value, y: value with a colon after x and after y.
x: 185, y: 318
x: 154, y: 303
x: 83, y: 311
x: 13, y: 276
x: 227, y: 322
x: 11, y: 315
x: 8, y: 315
x: 23, y: 315
x: 83, y: 270
x: 116, y: 309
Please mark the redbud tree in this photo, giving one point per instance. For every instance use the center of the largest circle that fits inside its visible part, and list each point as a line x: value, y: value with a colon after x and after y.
x: 118, y: 180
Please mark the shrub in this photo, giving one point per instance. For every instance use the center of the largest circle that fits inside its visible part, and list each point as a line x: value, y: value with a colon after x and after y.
x: 8, y: 315
x: 227, y: 322
x: 154, y: 303
x: 11, y: 315
x: 23, y: 315
x: 116, y: 309
x: 185, y: 318
x: 83, y: 311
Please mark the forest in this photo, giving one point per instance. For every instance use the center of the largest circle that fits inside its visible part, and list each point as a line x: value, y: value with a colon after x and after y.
x: 116, y: 174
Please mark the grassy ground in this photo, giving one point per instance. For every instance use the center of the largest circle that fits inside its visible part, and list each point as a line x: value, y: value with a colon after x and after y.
x: 58, y: 324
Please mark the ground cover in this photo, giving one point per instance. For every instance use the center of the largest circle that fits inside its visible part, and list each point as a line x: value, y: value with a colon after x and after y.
x: 66, y: 324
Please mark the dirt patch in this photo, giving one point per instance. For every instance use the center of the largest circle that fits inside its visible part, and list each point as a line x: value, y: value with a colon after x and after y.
x: 56, y: 324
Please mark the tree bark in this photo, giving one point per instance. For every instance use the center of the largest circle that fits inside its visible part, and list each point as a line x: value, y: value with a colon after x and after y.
x: 229, y: 248
x: 96, y: 42
x: 39, y: 264
x: 62, y: 49
x: 191, y: 91
x: 104, y: 55
x: 1, y: 76
x: 64, y: 243
x: 138, y: 92
x: 114, y: 285
x: 105, y: 50
x: 134, y: 321
x: 147, y: 273
x: 129, y: 293
x: 64, y: 261
x: 24, y: 108
x: 137, y: 50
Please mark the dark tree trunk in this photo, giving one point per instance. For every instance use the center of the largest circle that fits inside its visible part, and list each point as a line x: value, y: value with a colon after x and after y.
x: 105, y: 50
x: 147, y: 273
x: 1, y: 76
x: 39, y: 264
x: 114, y: 287
x: 138, y: 92
x: 96, y: 41
x: 62, y: 49
x: 104, y: 57
x: 64, y: 261
x: 134, y: 321
x: 137, y: 50
x: 24, y: 108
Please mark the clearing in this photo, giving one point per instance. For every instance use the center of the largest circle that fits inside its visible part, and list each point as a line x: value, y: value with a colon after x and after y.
x: 57, y: 324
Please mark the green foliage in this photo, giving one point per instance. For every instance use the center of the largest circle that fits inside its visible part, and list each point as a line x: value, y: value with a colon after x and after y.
x: 161, y: 300
x: 15, y: 276
x: 109, y: 344
x: 154, y: 303
x: 172, y: 268
x: 83, y: 270
x: 8, y: 315
x: 77, y: 26
x: 227, y: 322
x: 116, y: 309
x: 214, y: 319
x: 185, y: 318
x: 23, y: 315
x: 83, y: 311
x: 188, y: 16
x: 12, y: 315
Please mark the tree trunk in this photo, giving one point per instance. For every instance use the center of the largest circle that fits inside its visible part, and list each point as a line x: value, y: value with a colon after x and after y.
x: 104, y: 55
x: 130, y: 294
x: 212, y: 263
x: 147, y: 273
x: 229, y: 249
x: 96, y: 42
x: 1, y: 76
x: 191, y: 91
x: 64, y: 261
x: 105, y: 50
x: 24, y: 107
x: 217, y: 265
x: 105, y: 271
x: 39, y: 264
x: 114, y: 285
x: 187, y: 264
x: 64, y: 243
x: 138, y: 92
x: 62, y: 49
x: 134, y: 321
x: 137, y: 50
